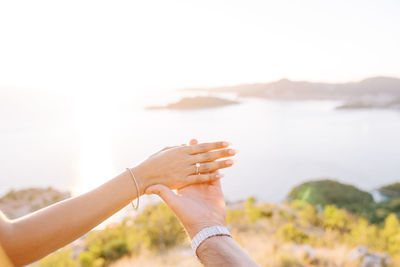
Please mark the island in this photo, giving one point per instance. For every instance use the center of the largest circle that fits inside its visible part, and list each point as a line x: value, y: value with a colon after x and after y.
x: 198, y: 102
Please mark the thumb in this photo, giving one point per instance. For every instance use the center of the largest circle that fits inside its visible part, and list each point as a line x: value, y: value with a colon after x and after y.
x: 164, y: 192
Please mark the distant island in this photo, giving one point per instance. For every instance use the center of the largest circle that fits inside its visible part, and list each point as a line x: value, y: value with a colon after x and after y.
x: 198, y: 102
x: 376, y: 92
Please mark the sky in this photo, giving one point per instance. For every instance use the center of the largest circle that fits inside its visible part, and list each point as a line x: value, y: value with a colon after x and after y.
x: 165, y: 44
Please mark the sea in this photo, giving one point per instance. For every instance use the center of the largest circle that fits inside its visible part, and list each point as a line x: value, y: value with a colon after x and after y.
x: 78, y: 145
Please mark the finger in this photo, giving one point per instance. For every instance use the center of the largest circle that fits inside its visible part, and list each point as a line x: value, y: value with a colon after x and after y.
x: 216, y: 183
x: 164, y: 192
x: 205, y: 147
x: 203, y: 178
x: 213, y: 166
x: 193, y: 142
x: 168, y: 147
x: 214, y: 155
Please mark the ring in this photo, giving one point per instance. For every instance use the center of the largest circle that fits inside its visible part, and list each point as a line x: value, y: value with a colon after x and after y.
x: 197, y: 168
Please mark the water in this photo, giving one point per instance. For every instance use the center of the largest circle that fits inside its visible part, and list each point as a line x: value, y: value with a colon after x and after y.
x: 281, y: 144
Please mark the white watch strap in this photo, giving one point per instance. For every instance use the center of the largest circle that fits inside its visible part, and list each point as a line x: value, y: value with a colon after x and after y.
x: 206, y: 233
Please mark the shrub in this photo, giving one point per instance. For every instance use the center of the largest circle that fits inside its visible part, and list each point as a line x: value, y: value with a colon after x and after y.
x: 62, y: 258
x: 391, y: 234
x: 289, y: 232
x: 254, y: 212
x: 155, y: 228
x: 306, y: 212
x: 159, y: 228
x: 363, y: 233
x: 289, y: 262
x: 336, y: 219
x: 236, y: 216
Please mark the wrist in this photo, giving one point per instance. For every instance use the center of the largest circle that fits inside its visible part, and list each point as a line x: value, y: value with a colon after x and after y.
x: 141, y: 178
x: 193, y: 230
x: 207, y: 233
x: 223, y: 251
x: 212, y: 244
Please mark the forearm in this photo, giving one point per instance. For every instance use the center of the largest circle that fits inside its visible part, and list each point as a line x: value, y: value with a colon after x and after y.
x: 38, y: 234
x: 223, y: 251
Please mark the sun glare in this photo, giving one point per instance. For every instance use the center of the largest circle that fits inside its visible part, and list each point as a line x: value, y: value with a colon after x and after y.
x: 95, y: 157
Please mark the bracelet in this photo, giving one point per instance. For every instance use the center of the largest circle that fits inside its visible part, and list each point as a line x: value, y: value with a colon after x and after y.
x: 207, y: 233
x: 137, y: 189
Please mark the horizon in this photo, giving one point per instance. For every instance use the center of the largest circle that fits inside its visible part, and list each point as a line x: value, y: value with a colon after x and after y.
x: 237, y: 84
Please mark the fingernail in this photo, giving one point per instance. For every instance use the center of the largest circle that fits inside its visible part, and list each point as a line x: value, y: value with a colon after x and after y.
x: 232, y: 151
x: 229, y: 162
x: 219, y: 175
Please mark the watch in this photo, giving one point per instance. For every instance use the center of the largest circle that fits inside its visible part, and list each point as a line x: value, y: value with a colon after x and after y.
x: 207, y: 233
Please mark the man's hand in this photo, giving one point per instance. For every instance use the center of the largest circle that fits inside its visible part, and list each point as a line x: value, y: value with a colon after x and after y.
x: 197, y: 206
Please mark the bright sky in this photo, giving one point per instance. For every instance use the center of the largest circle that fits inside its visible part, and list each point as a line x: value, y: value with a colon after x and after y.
x: 157, y: 44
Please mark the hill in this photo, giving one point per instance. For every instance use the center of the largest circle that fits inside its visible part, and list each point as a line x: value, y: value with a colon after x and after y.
x: 330, y: 192
x: 390, y: 191
x: 15, y: 204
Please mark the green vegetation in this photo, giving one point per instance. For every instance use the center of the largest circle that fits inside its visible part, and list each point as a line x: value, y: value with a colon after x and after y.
x: 156, y: 228
x: 59, y: 259
x: 251, y: 213
x: 329, y: 192
x: 280, y: 231
x: 336, y: 219
x: 290, y: 233
x: 391, y: 191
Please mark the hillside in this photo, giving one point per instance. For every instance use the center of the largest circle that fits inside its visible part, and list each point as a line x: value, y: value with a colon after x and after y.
x: 330, y: 192
x: 15, y: 204
x: 280, y: 235
x: 307, y: 230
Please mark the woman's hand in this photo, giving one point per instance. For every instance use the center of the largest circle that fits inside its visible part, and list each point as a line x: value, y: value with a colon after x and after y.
x: 197, y: 206
x: 175, y: 167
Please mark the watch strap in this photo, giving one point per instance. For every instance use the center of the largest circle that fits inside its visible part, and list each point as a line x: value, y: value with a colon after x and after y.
x: 207, y: 233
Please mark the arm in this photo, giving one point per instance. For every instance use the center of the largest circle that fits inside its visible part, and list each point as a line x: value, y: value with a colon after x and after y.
x: 32, y: 237
x: 223, y: 251
x: 199, y: 206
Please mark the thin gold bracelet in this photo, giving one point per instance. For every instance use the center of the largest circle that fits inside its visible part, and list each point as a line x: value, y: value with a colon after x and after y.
x: 137, y: 189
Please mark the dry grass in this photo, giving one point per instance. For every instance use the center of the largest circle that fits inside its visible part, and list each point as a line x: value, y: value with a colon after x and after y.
x: 262, y: 246
x: 180, y: 256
